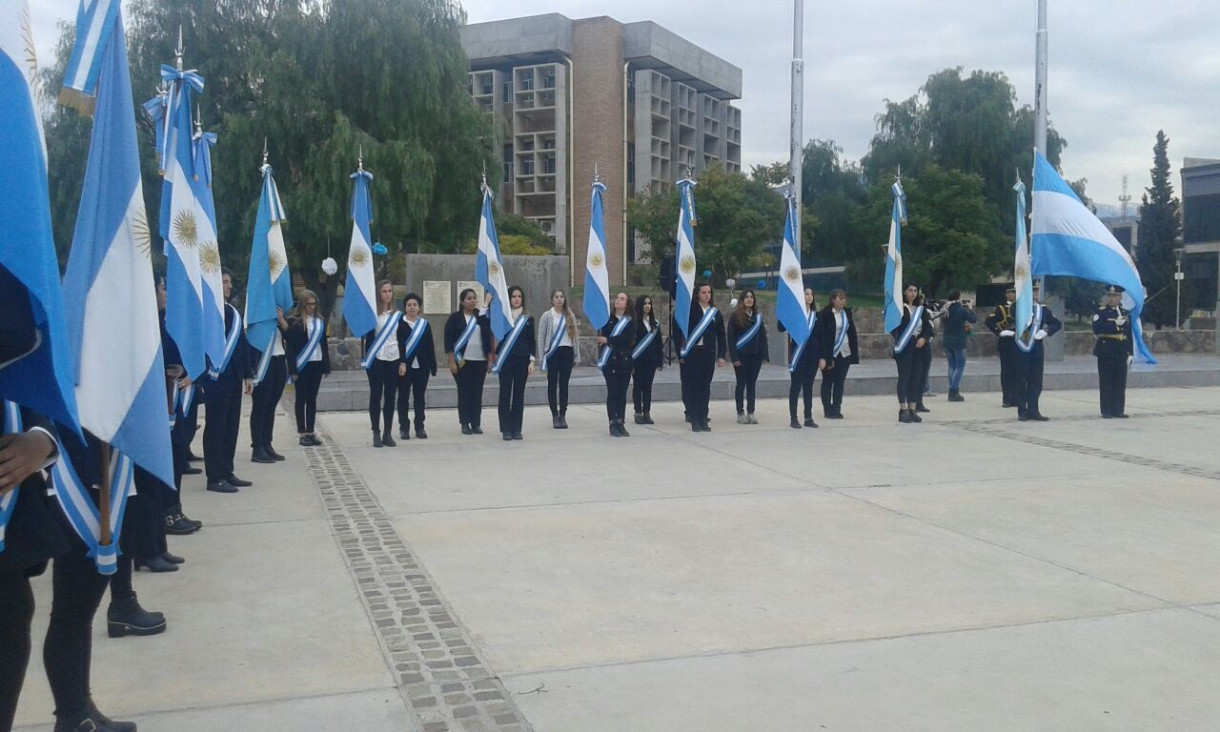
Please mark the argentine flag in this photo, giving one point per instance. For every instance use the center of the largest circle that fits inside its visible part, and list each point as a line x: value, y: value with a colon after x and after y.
x: 790, y: 303
x: 1023, y: 311
x: 95, y: 21
x: 268, y: 282
x: 41, y: 380
x: 892, y: 304
x: 1069, y: 240
x: 110, y: 302
x: 597, y: 283
x: 684, y: 262
x: 489, y: 270
x: 360, y: 292
x: 209, y: 256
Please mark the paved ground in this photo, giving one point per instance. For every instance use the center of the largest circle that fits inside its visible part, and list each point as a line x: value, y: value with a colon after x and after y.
x: 971, y: 573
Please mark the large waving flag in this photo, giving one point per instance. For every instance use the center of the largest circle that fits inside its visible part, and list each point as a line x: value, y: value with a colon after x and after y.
x: 1069, y: 240
x: 42, y: 378
x: 268, y: 283
x: 685, y: 256
x: 95, y: 21
x: 489, y: 270
x: 790, y: 305
x: 360, y: 292
x: 111, y: 307
x: 597, y: 283
x: 892, y: 305
x: 1023, y: 311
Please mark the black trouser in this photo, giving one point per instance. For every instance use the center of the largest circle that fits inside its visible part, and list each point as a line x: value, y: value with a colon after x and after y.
x: 178, y: 447
x: 191, y: 421
x: 383, y: 386
x: 910, y: 386
x: 832, y: 384
x: 747, y: 379
x: 514, y: 371
x: 923, y: 366
x: 266, y: 397
x: 1029, y: 382
x: 220, y: 428
x: 801, y: 382
x: 697, y: 381
x: 558, y: 372
x: 645, y: 370
x: 1006, y: 348
x: 309, y: 379
x: 412, y: 386
x: 1112, y: 382
x: 121, y: 587
x: 144, y: 517
x: 618, y: 378
x: 470, y: 378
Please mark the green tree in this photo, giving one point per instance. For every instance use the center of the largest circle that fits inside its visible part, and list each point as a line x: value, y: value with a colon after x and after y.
x: 1159, y: 229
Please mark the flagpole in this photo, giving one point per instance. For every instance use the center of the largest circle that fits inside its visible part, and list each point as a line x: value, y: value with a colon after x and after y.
x: 1040, y: 115
x: 796, y: 149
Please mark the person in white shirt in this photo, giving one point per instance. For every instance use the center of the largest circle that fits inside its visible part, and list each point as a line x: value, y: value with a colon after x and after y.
x: 557, y: 352
x: 383, y: 370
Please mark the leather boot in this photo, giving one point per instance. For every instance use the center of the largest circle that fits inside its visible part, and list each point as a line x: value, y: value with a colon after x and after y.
x: 648, y: 418
x: 260, y: 455
x: 90, y: 719
x: 126, y: 617
x: 915, y: 418
x: 555, y: 422
x: 387, y: 439
x: 377, y: 439
x: 639, y: 418
x: 904, y: 415
x: 622, y: 429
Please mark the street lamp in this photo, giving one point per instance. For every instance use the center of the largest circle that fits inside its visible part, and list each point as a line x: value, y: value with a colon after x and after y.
x: 1178, y: 277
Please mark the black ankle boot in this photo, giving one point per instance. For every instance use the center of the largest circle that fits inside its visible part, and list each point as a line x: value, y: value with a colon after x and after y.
x: 648, y: 418
x: 639, y: 418
x: 387, y: 439
x: 377, y: 439
x: 126, y: 617
x: 90, y: 719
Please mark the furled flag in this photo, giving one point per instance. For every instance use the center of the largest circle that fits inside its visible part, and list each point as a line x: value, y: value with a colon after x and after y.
x: 360, y: 298
x: 110, y: 303
x: 209, y: 256
x: 1069, y: 240
x: 684, y: 291
x: 38, y: 371
x: 892, y: 305
x: 1023, y: 311
x: 790, y: 305
x: 489, y: 270
x: 597, y: 283
x: 269, y: 283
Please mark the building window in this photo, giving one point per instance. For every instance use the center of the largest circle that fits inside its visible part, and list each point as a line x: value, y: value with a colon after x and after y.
x: 630, y: 87
x: 631, y: 163
x: 527, y: 166
x: 508, y: 92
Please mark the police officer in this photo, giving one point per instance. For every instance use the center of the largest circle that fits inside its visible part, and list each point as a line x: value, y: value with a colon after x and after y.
x: 1114, y: 350
x: 1001, y: 323
x: 1030, y: 359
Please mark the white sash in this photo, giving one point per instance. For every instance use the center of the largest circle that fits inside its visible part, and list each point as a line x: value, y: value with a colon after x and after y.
x: 1027, y: 345
x: 231, y: 339
x: 388, y: 329
x: 614, y: 333
x: 459, y: 348
x: 316, y: 328
x: 8, y: 502
x: 796, y: 355
x: 510, y: 340
x: 78, y: 506
x: 749, y: 335
x: 183, y: 398
x: 555, y: 340
x: 841, y: 335
x: 264, y: 359
x: 642, y: 347
x: 912, y: 327
x: 697, y: 334
x: 417, y: 333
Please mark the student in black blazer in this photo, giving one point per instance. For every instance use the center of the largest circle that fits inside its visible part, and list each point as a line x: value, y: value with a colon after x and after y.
x: 416, y: 366
x: 805, y: 368
x: 748, y: 357
x: 837, y: 351
x: 908, y: 353
x: 307, y: 368
x: 222, y: 391
x: 617, y: 338
x: 470, y: 361
x: 647, y: 362
x: 701, y: 361
x: 516, y: 365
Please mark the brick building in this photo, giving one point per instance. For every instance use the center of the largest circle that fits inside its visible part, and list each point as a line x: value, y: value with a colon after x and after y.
x: 632, y: 101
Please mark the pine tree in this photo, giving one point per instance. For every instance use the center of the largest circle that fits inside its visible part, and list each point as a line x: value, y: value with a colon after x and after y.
x: 1159, y: 229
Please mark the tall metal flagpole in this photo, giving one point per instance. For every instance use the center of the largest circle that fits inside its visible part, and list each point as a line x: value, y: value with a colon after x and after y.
x: 796, y: 150
x: 1040, y: 83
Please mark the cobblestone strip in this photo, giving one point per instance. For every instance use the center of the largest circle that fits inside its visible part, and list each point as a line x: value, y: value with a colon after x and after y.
x: 440, y: 677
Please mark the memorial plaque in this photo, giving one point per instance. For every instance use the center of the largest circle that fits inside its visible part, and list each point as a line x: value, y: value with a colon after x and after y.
x: 438, y: 296
x: 472, y: 285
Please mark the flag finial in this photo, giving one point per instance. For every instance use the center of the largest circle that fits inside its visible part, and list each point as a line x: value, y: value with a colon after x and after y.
x: 179, y: 51
x: 898, y: 176
x: 360, y: 159
x: 596, y: 176
x: 264, y: 152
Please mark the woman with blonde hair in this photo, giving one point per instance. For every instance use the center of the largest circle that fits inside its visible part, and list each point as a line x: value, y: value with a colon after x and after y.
x: 381, y: 361
x: 308, y: 362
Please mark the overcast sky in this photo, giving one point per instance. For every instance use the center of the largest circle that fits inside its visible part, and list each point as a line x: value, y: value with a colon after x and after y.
x: 1118, y: 71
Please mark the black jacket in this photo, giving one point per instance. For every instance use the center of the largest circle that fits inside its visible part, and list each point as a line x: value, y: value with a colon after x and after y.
x: 240, y: 366
x: 756, y: 345
x: 526, y: 343
x: 456, y: 324
x: 620, y: 345
x: 1113, y: 340
x: 713, y: 337
x: 925, y: 329
x: 295, y: 340
x: 656, y: 350
x: 824, y: 334
x: 35, y: 531
x: 425, y: 351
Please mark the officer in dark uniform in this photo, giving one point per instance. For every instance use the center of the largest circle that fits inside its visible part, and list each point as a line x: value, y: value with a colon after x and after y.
x: 222, y: 395
x: 1030, y: 362
x: 1114, y: 350
x: 1001, y: 323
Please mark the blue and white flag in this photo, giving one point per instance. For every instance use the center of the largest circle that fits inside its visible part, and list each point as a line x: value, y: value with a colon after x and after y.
x: 214, y: 337
x: 1069, y: 240
x: 110, y: 301
x: 269, y: 283
x: 489, y: 271
x: 790, y: 305
x: 597, y: 282
x: 95, y: 21
x: 188, y: 233
x: 684, y: 261
x: 360, y: 293
x: 1023, y: 310
x: 41, y: 379
x: 892, y: 303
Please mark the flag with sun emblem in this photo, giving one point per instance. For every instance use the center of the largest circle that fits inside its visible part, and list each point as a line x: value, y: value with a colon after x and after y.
x: 1023, y: 311
x: 684, y: 292
x: 209, y: 252
x: 489, y: 270
x: 597, y: 282
x: 360, y: 293
x: 892, y: 304
x: 269, y: 283
x: 790, y: 305
x: 110, y: 301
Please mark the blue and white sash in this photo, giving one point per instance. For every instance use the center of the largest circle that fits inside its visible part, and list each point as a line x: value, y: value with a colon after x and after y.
x: 78, y: 506
x: 796, y: 355
x: 387, y: 331
x: 316, y: 328
x: 417, y: 334
x: 459, y: 348
x: 840, y: 334
x: 555, y: 340
x: 912, y: 328
x: 183, y: 399
x: 8, y: 502
x: 1026, y: 344
x: 749, y: 335
x: 697, y: 334
x: 264, y: 359
x: 617, y: 331
x: 231, y: 339
x: 642, y: 347
x: 510, y: 340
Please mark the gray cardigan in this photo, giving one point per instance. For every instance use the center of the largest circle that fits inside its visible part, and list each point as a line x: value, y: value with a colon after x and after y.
x: 547, y: 323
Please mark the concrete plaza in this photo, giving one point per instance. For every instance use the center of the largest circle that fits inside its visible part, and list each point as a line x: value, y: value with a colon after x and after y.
x: 970, y: 573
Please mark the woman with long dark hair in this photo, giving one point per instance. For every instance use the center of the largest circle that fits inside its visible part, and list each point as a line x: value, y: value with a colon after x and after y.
x: 471, y: 350
x: 747, y: 342
x: 803, y: 365
x: 837, y: 351
x: 418, y: 363
x: 910, y: 337
x: 647, y: 358
x: 702, y: 350
x: 558, y: 351
x: 308, y: 361
x: 617, y: 338
x: 515, y: 364
x: 381, y: 360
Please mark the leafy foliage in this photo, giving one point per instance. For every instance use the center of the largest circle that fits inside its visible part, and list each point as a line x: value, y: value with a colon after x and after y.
x: 1159, y: 228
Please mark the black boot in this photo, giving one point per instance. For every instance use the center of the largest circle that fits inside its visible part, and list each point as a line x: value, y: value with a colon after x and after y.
x: 387, y: 439
x: 260, y: 455
x: 904, y: 415
x: 377, y: 439
x: 614, y: 429
x: 794, y: 423
x: 622, y: 428
x: 563, y: 420
x: 914, y: 416
x: 648, y: 418
x: 555, y: 422
x: 126, y: 617
x: 639, y: 418
x: 92, y: 720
